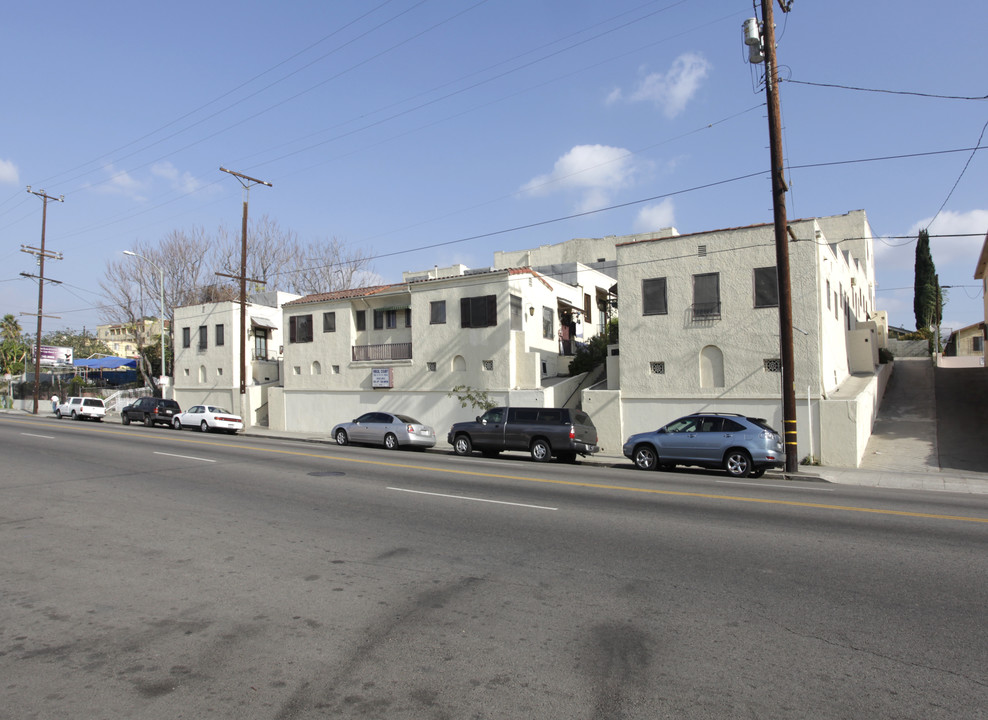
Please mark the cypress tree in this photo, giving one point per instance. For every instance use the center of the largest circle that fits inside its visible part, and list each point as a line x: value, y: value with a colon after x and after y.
x: 926, y: 290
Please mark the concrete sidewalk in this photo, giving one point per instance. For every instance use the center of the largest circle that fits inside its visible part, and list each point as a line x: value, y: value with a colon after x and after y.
x: 910, y: 447
x: 886, y: 476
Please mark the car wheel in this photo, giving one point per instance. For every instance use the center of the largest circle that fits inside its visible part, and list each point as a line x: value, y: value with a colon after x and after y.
x: 462, y: 445
x: 541, y: 451
x: 148, y: 422
x: 341, y: 437
x: 75, y: 415
x: 645, y: 457
x: 757, y: 472
x: 737, y: 463
x: 58, y: 414
x: 177, y: 424
x: 124, y: 419
x: 203, y: 426
x: 390, y: 441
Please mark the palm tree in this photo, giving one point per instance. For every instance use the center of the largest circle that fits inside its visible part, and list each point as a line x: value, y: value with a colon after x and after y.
x: 10, y: 329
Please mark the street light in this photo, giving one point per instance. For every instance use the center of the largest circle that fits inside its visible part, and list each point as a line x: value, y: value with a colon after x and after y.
x: 161, y: 298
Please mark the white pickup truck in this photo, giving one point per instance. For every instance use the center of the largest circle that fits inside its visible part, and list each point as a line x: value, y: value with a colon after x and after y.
x: 80, y: 408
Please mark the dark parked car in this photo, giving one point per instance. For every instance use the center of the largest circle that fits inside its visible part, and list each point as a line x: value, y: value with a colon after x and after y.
x: 150, y: 411
x: 742, y: 446
x: 543, y: 432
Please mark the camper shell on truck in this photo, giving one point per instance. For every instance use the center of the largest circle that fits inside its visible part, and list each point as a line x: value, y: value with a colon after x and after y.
x: 544, y: 432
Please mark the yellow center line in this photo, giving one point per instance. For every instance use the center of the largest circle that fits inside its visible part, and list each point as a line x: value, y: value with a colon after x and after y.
x: 546, y: 481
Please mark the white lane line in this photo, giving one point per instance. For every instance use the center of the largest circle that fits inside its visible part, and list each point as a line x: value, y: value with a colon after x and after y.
x: 46, y: 437
x: 794, y: 486
x: 464, y: 497
x: 185, y: 457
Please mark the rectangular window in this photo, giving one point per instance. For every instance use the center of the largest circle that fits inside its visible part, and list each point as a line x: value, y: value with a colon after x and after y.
x: 977, y: 344
x: 408, y: 317
x: 516, y: 317
x: 300, y: 329
x: 329, y: 322
x: 360, y: 318
x: 654, y: 297
x: 203, y: 337
x: 220, y: 335
x: 828, y: 294
x: 587, y: 306
x: 548, y: 319
x: 385, y: 319
x: 706, y: 296
x: 478, y: 312
x: 437, y: 312
x: 186, y: 337
x: 766, y: 287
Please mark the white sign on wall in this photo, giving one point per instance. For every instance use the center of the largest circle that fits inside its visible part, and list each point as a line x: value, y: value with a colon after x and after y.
x: 382, y: 378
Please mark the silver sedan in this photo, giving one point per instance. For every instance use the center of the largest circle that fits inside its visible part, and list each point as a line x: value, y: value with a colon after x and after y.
x: 387, y: 429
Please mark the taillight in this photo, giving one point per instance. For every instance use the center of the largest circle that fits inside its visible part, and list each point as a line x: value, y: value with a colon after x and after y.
x: 572, y: 433
x: 411, y: 429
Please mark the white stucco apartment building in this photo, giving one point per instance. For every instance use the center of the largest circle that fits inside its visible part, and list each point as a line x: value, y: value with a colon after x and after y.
x: 699, y: 331
x: 207, y: 354
x: 403, y: 347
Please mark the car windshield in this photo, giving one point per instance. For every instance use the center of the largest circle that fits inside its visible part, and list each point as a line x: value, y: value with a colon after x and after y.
x: 219, y: 410
x: 408, y: 420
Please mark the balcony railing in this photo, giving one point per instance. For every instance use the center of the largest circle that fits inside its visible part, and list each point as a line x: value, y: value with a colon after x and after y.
x: 705, y: 311
x: 389, y: 351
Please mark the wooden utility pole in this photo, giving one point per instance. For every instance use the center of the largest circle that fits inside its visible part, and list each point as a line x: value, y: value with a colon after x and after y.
x: 779, y: 189
x: 42, y: 254
x: 247, y: 182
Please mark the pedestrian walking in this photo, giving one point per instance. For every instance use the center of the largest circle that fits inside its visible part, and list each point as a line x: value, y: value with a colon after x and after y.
x: 54, y: 403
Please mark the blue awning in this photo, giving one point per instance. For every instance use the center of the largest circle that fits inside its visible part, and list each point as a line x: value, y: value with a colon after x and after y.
x: 106, y: 363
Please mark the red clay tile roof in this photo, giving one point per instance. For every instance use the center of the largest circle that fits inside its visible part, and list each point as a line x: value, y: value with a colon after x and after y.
x: 344, y: 294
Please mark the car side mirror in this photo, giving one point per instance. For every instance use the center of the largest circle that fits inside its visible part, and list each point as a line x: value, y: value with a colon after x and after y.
x: 661, y: 430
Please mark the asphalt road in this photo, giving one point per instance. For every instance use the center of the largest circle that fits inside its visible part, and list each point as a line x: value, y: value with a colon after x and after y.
x: 148, y: 573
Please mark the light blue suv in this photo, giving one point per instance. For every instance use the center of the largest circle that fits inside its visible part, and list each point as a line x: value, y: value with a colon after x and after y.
x: 742, y: 446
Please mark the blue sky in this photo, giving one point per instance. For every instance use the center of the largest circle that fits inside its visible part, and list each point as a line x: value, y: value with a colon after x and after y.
x: 403, y: 124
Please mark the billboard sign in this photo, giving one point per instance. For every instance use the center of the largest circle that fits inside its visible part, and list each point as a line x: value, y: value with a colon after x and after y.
x: 52, y: 355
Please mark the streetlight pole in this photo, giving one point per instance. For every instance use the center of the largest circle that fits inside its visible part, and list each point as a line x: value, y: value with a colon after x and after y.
x: 161, y: 300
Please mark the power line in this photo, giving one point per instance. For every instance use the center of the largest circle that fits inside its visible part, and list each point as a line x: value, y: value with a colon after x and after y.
x: 957, y: 182
x: 887, y: 92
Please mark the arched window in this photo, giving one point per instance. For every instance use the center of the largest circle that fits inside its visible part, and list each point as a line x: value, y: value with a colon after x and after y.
x: 711, y: 367
x: 459, y: 364
x: 202, y: 373
x: 316, y: 368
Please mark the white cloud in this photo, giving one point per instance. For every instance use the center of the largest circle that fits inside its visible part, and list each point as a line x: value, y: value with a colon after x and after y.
x: 8, y: 173
x: 120, y: 182
x: 672, y: 90
x: 595, y: 171
x: 948, y: 250
x: 656, y: 217
x: 182, y: 182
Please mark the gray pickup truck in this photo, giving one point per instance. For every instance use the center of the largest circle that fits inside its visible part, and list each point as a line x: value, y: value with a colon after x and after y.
x: 543, y: 432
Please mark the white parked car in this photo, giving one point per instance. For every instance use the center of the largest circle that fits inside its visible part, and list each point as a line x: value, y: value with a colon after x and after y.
x: 207, y: 418
x: 80, y: 408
